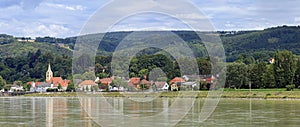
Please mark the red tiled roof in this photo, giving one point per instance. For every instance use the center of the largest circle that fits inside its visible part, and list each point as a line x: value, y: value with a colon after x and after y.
x: 87, y: 82
x: 58, y: 80
x: 36, y: 83
x: 106, y: 81
x: 134, y: 81
x: 144, y: 81
x: 177, y: 79
x: 209, y: 79
x: 65, y: 83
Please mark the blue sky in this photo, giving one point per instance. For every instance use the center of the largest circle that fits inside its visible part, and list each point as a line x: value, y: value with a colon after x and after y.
x: 64, y: 18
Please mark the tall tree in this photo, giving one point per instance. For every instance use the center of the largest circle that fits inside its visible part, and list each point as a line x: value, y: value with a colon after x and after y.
x: 256, y: 74
x: 2, y: 82
x: 236, y: 75
x: 204, y: 66
x: 297, y: 75
x: 71, y: 87
x: 284, y: 68
x: 268, y: 79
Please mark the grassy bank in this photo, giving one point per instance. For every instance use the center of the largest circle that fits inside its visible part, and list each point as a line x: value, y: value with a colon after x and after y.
x: 227, y: 93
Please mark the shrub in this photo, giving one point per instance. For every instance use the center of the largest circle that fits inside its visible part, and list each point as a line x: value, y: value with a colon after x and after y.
x: 290, y: 87
x: 52, y: 90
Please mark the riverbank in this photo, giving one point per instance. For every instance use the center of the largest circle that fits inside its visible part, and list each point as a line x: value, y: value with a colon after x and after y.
x: 260, y: 94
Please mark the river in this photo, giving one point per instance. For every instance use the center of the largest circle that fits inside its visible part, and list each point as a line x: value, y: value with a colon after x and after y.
x: 95, y: 112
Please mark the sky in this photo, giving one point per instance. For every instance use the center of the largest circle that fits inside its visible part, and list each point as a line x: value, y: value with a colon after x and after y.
x: 66, y: 18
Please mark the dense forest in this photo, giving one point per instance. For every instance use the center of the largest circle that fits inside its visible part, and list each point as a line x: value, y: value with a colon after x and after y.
x: 260, y: 44
x: 247, y: 52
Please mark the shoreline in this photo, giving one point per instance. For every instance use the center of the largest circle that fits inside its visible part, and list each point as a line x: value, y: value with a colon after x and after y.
x: 256, y: 95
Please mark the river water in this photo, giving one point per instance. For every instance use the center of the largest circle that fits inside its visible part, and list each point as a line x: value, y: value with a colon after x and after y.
x: 95, y: 112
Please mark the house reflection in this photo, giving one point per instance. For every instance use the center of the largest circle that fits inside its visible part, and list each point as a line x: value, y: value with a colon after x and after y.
x: 84, y: 111
x: 56, y: 112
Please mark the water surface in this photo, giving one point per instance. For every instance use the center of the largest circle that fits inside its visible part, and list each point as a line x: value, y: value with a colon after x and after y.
x: 85, y: 112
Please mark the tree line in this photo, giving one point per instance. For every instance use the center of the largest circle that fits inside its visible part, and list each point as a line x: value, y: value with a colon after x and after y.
x: 245, y: 72
x: 284, y: 72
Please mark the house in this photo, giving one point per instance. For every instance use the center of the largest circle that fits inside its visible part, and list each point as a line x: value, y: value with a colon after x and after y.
x: 106, y: 81
x: 87, y: 85
x: 191, y: 77
x: 134, y: 81
x: 177, y: 80
x: 174, y: 87
x: 138, y: 83
x: 271, y: 60
x: 189, y: 85
x: 144, y: 84
x: 33, y: 85
x: 175, y: 83
x: 161, y: 86
x: 16, y: 87
x: 210, y: 79
x: 42, y: 87
x: 56, y: 81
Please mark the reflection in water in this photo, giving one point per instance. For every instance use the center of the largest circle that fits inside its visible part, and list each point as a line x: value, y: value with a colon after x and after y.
x: 83, y: 112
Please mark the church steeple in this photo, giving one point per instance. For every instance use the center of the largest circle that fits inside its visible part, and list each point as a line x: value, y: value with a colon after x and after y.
x: 49, y: 73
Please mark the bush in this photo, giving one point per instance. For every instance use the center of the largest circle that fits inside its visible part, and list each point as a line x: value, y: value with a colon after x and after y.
x: 290, y: 87
x: 52, y: 90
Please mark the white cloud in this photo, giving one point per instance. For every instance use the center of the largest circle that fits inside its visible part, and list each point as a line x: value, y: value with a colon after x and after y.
x: 53, y: 30
x: 71, y: 8
x: 2, y: 24
x: 192, y: 16
x: 66, y: 18
x: 297, y: 19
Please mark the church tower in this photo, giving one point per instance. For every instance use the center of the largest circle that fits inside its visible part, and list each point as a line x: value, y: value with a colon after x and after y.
x: 49, y: 74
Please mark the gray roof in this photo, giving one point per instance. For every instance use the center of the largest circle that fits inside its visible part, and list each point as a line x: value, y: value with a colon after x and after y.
x: 44, y: 84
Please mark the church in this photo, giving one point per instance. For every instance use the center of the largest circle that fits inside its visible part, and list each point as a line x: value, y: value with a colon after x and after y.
x: 51, y: 82
x: 55, y: 81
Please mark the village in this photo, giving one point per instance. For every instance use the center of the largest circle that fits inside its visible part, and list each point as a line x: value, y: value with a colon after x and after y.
x: 112, y: 84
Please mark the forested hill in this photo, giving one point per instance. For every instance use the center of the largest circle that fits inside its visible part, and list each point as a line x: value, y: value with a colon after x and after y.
x: 260, y: 44
x: 16, y: 49
x: 264, y: 42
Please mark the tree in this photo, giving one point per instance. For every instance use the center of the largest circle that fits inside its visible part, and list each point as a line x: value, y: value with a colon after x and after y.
x: 256, y: 74
x: 284, y: 68
x: 27, y: 87
x: 59, y: 86
x: 204, y: 66
x: 88, y: 76
x: 236, y: 75
x: 2, y: 83
x: 143, y: 72
x: 245, y: 59
x: 119, y: 83
x: 19, y: 83
x: 268, y: 79
x: 297, y: 75
x: 71, y: 87
x: 95, y: 88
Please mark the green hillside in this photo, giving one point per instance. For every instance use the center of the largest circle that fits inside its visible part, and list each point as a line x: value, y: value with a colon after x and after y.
x: 260, y: 44
x: 22, y: 48
x: 264, y: 42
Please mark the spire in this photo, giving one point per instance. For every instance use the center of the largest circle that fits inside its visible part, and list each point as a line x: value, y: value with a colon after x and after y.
x: 49, y: 73
x: 49, y: 67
